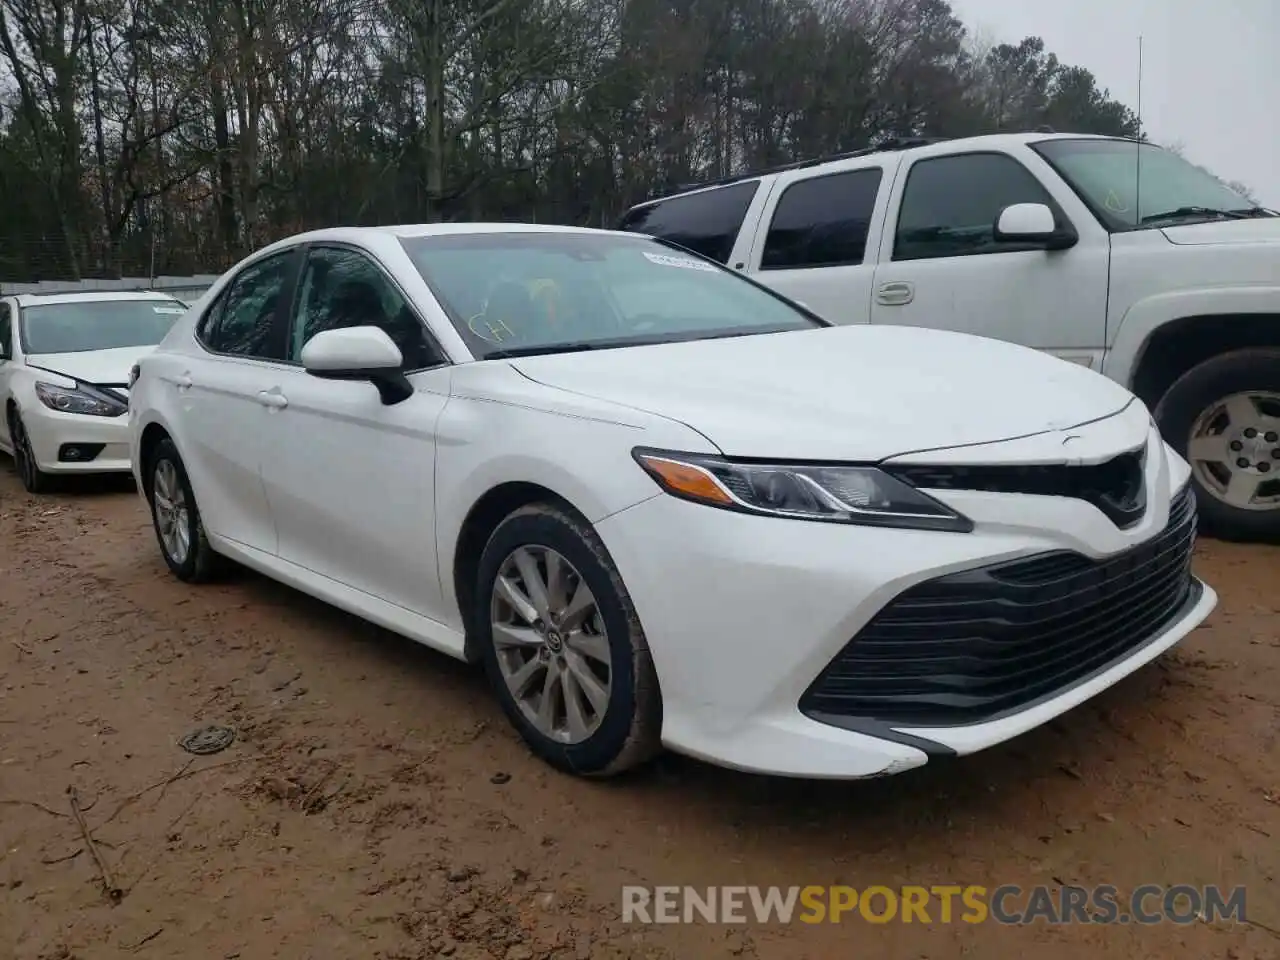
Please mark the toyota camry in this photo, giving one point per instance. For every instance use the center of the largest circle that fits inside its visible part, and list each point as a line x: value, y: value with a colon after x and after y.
x: 663, y: 505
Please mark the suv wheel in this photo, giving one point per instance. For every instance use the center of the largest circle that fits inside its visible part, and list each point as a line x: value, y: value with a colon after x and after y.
x: 1223, y: 416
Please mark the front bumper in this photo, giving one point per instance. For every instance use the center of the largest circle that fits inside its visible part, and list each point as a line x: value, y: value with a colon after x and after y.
x: 53, y: 434
x: 743, y: 614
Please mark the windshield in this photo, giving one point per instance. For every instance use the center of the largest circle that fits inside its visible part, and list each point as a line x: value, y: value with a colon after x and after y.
x: 1106, y: 175
x: 546, y: 292
x: 97, y: 325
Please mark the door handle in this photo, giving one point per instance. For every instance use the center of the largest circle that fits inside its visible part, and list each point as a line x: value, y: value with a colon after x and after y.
x: 895, y: 294
x: 272, y: 399
x: 182, y: 382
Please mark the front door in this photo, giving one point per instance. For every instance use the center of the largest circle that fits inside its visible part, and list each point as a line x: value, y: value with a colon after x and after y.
x: 941, y: 267
x: 351, y: 480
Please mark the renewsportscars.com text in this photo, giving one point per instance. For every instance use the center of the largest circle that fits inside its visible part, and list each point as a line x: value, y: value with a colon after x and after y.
x: 1007, y: 904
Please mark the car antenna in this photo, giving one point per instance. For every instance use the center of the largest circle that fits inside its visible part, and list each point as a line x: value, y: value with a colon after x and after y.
x: 1137, y: 148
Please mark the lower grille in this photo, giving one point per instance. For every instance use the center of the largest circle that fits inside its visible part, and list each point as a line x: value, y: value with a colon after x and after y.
x: 974, y: 645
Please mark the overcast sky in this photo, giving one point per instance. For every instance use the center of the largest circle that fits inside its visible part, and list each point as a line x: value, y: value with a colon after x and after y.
x: 1210, y: 69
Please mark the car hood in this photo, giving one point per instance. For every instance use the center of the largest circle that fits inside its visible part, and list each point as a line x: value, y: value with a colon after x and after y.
x: 102, y: 367
x: 842, y: 393
x: 1261, y: 230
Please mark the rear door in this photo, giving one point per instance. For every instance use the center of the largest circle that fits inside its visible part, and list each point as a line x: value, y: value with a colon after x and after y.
x: 222, y: 395
x: 812, y: 241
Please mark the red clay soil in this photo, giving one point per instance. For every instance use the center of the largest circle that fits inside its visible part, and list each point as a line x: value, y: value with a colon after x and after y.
x: 375, y: 804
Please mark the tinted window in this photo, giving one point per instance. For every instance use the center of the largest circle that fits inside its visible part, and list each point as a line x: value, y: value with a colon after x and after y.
x: 343, y: 288
x: 6, y: 333
x: 822, y: 222
x: 241, y: 320
x: 706, y: 222
x: 83, y: 325
x: 950, y: 205
x: 539, y: 292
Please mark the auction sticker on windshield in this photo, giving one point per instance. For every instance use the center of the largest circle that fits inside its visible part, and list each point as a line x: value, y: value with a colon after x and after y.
x: 685, y: 262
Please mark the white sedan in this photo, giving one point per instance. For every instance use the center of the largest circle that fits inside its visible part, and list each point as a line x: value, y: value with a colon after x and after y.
x: 663, y: 505
x: 64, y: 364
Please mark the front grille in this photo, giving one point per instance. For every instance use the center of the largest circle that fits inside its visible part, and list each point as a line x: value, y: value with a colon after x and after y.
x: 974, y: 645
x: 1116, y: 487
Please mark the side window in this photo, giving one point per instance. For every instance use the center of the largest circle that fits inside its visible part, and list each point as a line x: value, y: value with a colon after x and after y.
x: 706, y: 222
x: 822, y: 221
x: 344, y: 288
x: 950, y: 205
x: 241, y: 321
x: 6, y: 332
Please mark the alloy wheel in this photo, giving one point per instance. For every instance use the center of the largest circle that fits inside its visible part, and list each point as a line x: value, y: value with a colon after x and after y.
x: 552, y: 649
x: 169, y: 502
x: 1234, y: 450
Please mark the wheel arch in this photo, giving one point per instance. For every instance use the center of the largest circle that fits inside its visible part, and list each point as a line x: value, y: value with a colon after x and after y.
x: 1175, y: 348
x: 484, y: 516
x: 1161, y: 337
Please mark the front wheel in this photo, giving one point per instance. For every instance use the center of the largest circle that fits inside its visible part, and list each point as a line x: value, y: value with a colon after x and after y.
x: 563, y: 646
x: 1223, y: 416
x: 34, y: 480
x: 176, y: 518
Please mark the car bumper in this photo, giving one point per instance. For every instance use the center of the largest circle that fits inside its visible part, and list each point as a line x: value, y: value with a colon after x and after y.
x: 103, y: 442
x: 743, y: 614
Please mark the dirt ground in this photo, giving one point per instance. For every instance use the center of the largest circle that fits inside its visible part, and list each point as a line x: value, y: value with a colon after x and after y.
x: 376, y: 805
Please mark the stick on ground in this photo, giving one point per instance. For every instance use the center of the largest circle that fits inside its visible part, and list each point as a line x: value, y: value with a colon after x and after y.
x: 109, y: 887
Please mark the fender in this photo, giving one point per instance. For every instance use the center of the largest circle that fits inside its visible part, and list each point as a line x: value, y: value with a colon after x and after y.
x: 1148, y: 315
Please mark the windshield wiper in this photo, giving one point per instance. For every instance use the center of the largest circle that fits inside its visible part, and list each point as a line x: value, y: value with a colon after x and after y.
x: 571, y: 347
x: 1199, y: 212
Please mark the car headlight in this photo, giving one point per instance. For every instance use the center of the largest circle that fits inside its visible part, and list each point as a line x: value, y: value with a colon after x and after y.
x: 827, y: 492
x: 83, y: 399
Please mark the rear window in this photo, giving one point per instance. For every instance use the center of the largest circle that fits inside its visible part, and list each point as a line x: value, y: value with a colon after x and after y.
x: 706, y: 222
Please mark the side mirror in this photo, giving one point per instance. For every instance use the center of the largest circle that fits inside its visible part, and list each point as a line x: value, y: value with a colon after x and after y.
x: 1032, y: 223
x: 359, y: 353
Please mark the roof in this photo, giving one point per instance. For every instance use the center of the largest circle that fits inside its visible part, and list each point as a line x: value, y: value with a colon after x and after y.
x: 941, y: 146
x: 91, y: 296
x: 403, y: 231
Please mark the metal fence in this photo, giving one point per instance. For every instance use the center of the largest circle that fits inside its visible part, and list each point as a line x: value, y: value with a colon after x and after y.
x: 184, y: 288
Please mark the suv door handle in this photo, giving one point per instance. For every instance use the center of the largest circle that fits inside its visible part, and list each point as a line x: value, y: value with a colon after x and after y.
x: 272, y: 399
x: 895, y: 294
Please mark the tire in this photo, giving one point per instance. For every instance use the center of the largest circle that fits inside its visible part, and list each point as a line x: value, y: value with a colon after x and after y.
x: 34, y: 480
x: 626, y: 731
x: 1188, y: 408
x: 198, y: 563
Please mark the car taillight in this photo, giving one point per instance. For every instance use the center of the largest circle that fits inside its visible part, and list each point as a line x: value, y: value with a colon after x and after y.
x: 134, y: 372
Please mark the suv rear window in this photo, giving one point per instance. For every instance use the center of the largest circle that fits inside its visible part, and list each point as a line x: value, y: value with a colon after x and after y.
x: 706, y: 222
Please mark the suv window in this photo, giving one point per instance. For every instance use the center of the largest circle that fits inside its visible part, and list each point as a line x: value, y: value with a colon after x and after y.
x: 242, y: 320
x: 706, y: 222
x: 344, y: 288
x: 822, y: 221
x: 6, y: 333
x: 950, y: 205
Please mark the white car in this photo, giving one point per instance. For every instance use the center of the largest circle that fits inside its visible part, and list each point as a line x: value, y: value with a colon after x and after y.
x: 64, y: 366
x: 664, y: 505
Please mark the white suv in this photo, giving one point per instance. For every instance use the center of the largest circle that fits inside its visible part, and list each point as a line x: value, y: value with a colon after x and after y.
x: 1116, y: 255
